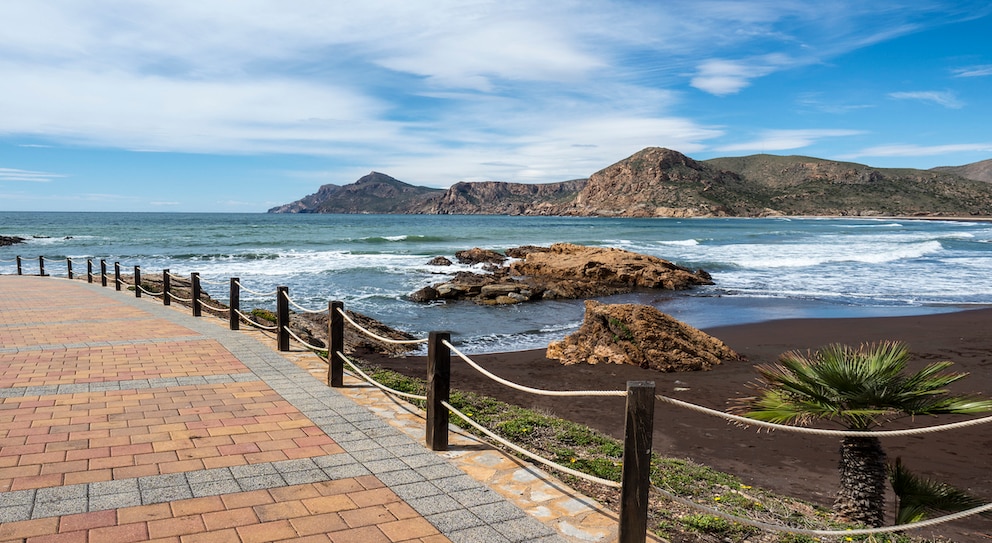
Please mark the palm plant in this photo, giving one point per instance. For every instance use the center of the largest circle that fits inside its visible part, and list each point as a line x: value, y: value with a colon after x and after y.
x: 918, y: 497
x: 860, y: 389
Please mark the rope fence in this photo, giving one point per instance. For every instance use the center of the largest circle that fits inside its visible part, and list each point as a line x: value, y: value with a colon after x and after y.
x: 640, y: 397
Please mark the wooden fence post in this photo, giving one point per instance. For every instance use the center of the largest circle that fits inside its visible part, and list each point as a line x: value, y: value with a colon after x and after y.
x: 89, y: 270
x: 166, y: 287
x: 635, y: 479
x: 282, y: 318
x: 197, y: 308
x: 18, y: 259
x: 234, y: 305
x: 103, y: 272
x: 68, y: 266
x: 137, y: 282
x: 117, y: 275
x: 335, y: 344
x: 438, y: 390
x: 41, y: 266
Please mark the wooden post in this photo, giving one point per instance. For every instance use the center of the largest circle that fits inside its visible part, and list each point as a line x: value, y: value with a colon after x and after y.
x: 197, y: 308
x: 282, y: 318
x: 103, y: 272
x: 41, y: 266
x: 68, y: 266
x: 438, y: 390
x: 166, y: 287
x: 117, y: 275
x: 234, y: 319
x: 636, y: 473
x: 18, y: 259
x: 137, y: 282
x: 89, y: 270
x: 335, y: 344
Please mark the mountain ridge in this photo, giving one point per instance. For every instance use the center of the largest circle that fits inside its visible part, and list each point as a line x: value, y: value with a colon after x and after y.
x: 660, y: 182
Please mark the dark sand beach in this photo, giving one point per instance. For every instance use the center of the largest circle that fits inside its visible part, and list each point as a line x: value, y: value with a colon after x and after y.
x: 796, y: 465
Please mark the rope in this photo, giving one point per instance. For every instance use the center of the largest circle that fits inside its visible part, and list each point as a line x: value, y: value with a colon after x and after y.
x: 539, y: 391
x: 212, y: 308
x: 273, y: 293
x: 255, y: 324
x: 125, y: 283
x: 824, y: 533
x: 178, y: 299
x: 150, y: 293
x: 377, y: 336
x: 174, y: 276
x: 377, y: 384
x: 819, y: 431
x: 529, y: 454
x: 301, y: 308
x: 305, y: 344
x: 221, y: 283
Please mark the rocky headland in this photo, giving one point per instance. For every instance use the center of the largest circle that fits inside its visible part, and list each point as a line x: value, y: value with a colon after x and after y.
x: 659, y: 182
x: 562, y: 271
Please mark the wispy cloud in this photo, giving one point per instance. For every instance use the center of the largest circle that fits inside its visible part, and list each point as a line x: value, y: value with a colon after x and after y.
x: 783, y: 140
x: 974, y: 71
x: 13, y: 174
x: 722, y: 77
x: 943, y: 98
x: 924, y: 150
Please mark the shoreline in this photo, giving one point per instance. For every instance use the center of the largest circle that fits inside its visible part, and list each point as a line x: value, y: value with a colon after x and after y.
x: 796, y: 465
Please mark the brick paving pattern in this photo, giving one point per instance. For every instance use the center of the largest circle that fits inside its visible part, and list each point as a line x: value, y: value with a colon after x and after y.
x: 122, y: 420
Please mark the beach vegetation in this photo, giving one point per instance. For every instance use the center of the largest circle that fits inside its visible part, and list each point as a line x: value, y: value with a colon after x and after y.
x: 860, y: 389
x: 589, y: 451
x: 264, y: 314
x: 918, y: 498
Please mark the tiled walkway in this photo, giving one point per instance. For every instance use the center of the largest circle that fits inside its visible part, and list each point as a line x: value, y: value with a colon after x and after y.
x: 122, y: 420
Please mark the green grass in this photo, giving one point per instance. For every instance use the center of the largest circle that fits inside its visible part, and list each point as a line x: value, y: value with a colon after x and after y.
x: 592, y: 452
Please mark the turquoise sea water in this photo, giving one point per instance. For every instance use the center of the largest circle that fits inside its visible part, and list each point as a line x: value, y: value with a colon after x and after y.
x: 764, y: 269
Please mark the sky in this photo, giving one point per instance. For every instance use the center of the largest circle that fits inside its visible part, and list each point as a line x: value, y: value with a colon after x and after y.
x: 242, y: 105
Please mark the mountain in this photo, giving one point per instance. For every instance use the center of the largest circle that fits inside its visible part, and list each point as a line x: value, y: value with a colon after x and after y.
x: 373, y: 193
x: 979, y: 171
x: 658, y: 182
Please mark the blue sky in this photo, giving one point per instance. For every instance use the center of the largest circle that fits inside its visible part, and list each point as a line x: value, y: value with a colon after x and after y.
x: 238, y: 106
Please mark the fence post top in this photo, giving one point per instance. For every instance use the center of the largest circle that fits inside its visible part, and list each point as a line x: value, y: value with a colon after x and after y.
x: 640, y: 384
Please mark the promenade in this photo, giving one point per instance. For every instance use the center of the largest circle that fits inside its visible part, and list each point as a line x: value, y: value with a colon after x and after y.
x: 123, y: 420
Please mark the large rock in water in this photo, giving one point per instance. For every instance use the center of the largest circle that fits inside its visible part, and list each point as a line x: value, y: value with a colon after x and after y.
x: 639, y: 335
x: 606, y: 265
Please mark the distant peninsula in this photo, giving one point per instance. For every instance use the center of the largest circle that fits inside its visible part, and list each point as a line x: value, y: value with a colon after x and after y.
x: 658, y: 182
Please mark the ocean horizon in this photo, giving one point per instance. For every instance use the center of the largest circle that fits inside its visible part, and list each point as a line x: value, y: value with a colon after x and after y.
x: 764, y: 269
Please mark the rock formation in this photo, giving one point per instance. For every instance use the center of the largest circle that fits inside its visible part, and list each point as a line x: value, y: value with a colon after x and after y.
x: 10, y: 240
x: 658, y: 182
x: 642, y: 336
x: 562, y: 271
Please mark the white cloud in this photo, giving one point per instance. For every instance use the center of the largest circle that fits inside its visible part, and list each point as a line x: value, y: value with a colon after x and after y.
x: 910, y: 150
x: 974, y: 71
x: 722, y: 77
x: 943, y: 98
x: 14, y: 174
x: 780, y: 140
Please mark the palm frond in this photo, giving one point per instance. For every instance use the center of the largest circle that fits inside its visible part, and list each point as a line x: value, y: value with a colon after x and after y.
x: 919, y: 497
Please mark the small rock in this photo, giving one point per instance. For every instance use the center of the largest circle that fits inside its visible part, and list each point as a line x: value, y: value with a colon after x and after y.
x: 439, y: 261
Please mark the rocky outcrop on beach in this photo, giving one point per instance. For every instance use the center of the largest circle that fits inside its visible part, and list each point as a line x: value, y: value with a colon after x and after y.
x: 562, y: 271
x: 373, y: 193
x: 642, y: 336
x: 10, y: 240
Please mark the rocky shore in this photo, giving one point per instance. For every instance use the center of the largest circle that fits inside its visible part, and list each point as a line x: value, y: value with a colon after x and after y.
x: 10, y: 240
x: 562, y: 271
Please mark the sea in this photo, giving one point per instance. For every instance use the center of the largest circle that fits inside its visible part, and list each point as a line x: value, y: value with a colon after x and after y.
x: 763, y: 269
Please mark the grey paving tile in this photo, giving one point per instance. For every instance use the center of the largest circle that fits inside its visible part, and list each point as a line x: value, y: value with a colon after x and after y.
x: 103, y: 502
x: 123, y: 486
x: 15, y: 513
x: 260, y: 482
x: 454, y: 521
x: 69, y: 506
x: 476, y: 496
x: 214, y: 488
x: 166, y: 494
x: 478, y: 534
x: 392, y: 478
x: 496, y: 512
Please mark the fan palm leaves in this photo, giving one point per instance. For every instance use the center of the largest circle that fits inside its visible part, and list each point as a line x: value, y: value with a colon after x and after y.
x: 861, y: 389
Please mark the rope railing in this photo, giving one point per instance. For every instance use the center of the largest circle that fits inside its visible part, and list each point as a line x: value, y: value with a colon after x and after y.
x: 248, y: 290
x: 533, y: 456
x: 539, y: 391
x: 180, y: 277
x: 822, y: 431
x: 377, y: 336
x: 821, y: 533
x: 212, y: 308
x: 178, y: 299
x: 377, y: 384
x: 219, y: 283
x: 251, y: 322
x: 304, y: 309
x: 150, y: 293
x: 302, y: 341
